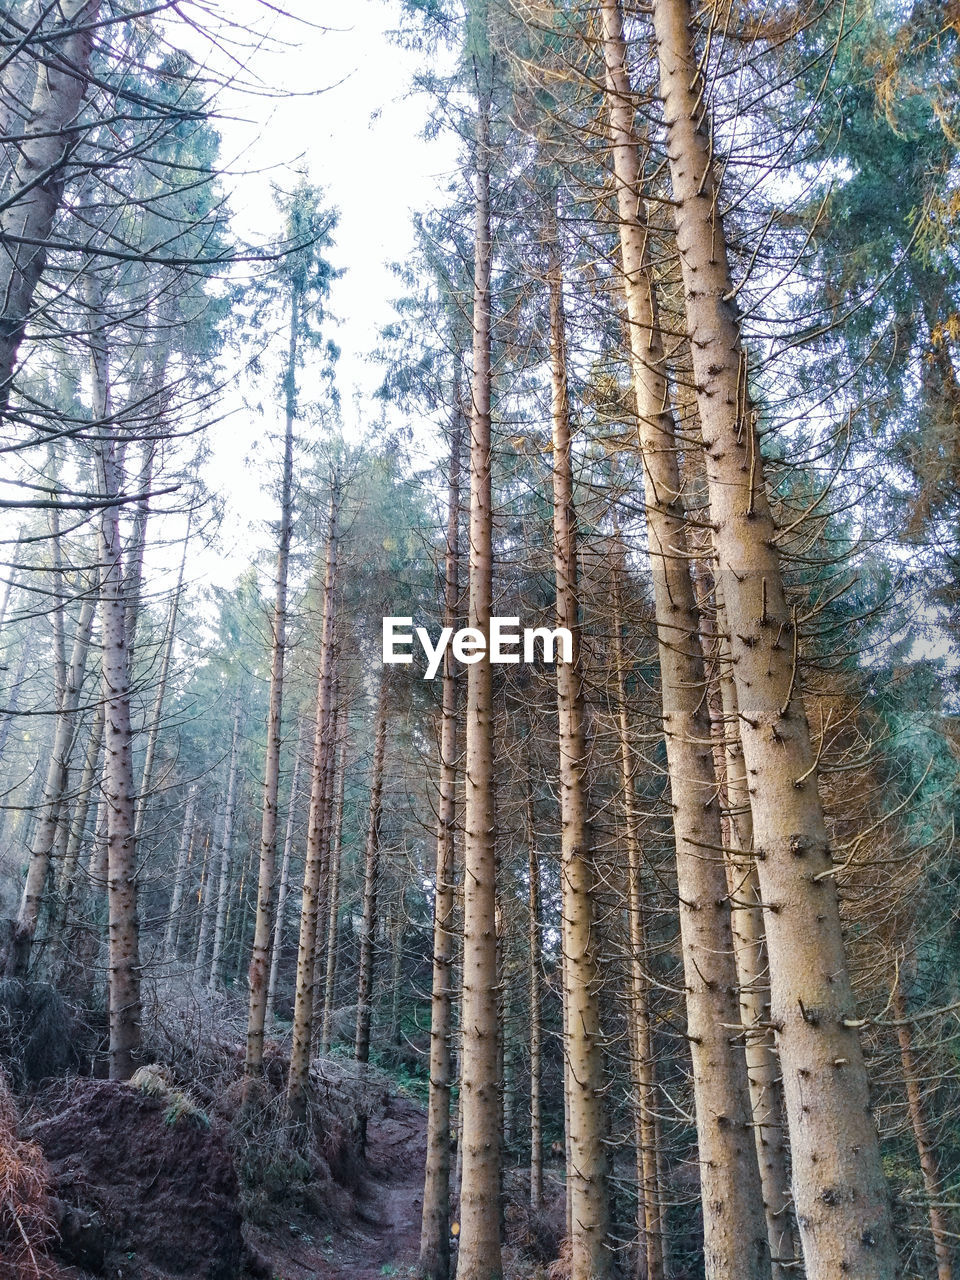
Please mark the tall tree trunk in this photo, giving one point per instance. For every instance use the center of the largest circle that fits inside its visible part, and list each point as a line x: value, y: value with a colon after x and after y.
x: 35, y: 189
x: 298, y: 1079
x: 179, y: 879
x: 333, y: 895
x: 226, y: 846
x: 643, y: 1063
x: 118, y: 785
x: 156, y: 717
x: 323, y: 897
x: 536, y: 1004
x: 260, y: 958
x: 838, y: 1183
x: 587, y: 1172
x: 78, y: 823
x: 38, y: 868
x: 13, y: 700
x: 479, y: 1256
x: 284, y: 886
x: 735, y: 1237
x: 371, y: 876
x: 435, y: 1221
x: 926, y: 1148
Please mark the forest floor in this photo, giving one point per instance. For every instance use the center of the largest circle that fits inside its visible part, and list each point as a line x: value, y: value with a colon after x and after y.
x: 384, y: 1237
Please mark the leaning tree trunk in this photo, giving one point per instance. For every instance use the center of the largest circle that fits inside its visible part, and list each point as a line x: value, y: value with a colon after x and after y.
x: 839, y: 1190
x: 479, y: 1256
x: 78, y: 822
x: 587, y: 1171
x: 302, y: 1037
x: 260, y: 957
x: 371, y: 876
x: 118, y: 785
x: 34, y: 191
x: 735, y: 1237
x: 226, y: 846
x: 53, y: 794
x: 435, y: 1220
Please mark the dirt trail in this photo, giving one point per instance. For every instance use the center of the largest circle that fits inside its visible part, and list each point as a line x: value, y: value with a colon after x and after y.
x: 384, y: 1236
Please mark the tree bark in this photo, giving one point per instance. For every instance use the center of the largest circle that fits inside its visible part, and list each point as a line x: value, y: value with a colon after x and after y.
x: 260, y: 958
x: 479, y: 1256
x: 839, y: 1190
x: 536, y: 1005
x: 587, y: 1171
x: 371, y: 876
x: 298, y: 1078
x: 85, y: 790
x: 735, y: 1237
x: 179, y: 879
x: 284, y: 885
x: 333, y: 895
x: 435, y: 1221
x: 226, y: 845
x: 39, y: 174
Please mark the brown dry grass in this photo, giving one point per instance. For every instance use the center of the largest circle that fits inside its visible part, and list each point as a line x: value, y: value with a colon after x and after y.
x: 26, y: 1220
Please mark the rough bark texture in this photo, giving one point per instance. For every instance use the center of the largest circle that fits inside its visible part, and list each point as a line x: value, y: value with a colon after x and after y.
x: 371, y: 877
x: 735, y: 1238
x: 435, y: 1221
x: 35, y: 187
x: 260, y: 956
x: 322, y: 745
x: 587, y: 1173
x: 479, y: 1256
x: 839, y: 1190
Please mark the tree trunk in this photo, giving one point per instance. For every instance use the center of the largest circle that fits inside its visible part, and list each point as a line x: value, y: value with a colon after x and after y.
x: 260, y: 958
x: 926, y: 1148
x: 536, y: 1004
x: 735, y: 1237
x: 118, y: 786
x: 371, y: 875
x: 53, y: 793
x: 333, y: 895
x: 587, y: 1172
x: 479, y: 1256
x: 435, y: 1222
x: 284, y: 886
x: 643, y: 1063
x: 179, y: 879
x: 838, y: 1183
x: 226, y: 846
x: 299, y: 1074
x: 39, y: 173
x: 85, y: 789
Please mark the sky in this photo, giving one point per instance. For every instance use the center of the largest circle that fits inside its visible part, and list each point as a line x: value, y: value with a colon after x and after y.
x: 359, y: 139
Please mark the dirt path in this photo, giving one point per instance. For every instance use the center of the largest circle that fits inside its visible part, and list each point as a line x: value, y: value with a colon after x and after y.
x: 383, y: 1237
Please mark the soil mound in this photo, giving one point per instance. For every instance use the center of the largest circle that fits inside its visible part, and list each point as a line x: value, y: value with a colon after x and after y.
x: 142, y: 1187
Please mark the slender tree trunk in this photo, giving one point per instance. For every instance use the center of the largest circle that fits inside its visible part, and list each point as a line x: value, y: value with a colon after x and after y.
x: 651, y: 1216
x: 13, y: 700
x: 536, y: 1005
x: 435, y: 1222
x: 479, y: 1256
x: 735, y: 1237
x: 78, y: 823
x: 587, y: 1173
x: 371, y: 876
x: 156, y: 717
x: 299, y: 1075
x: 118, y: 786
x: 260, y: 958
x: 57, y: 610
x: 839, y: 1190
x: 38, y: 868
x: 226, y: 846
x: 926, y: 1148
x: 207, y: 903
x: 179, y: 879
x: 35, y: 189
x: 136, y: 550
x: 326, y: 835
x: 284, y: 885
x: 336, y: 844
